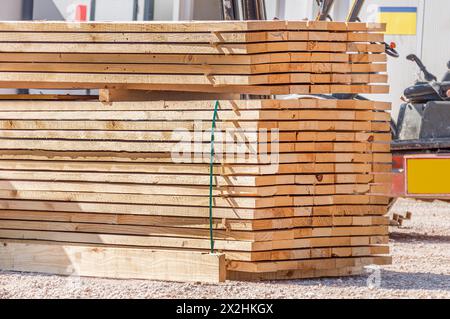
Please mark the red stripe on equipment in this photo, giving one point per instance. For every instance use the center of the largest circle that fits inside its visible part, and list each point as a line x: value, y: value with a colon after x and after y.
x: 81, y: 13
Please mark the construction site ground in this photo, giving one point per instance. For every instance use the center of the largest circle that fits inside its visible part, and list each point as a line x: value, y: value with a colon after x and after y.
x: 420, y: 269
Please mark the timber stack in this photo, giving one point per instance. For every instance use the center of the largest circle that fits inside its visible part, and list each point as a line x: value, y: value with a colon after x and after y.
x: 122, y: 185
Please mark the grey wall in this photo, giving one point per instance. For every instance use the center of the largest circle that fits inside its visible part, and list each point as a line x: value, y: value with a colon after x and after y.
x: 11, y: 10
x: 47, y: 10
x: 206, y: 10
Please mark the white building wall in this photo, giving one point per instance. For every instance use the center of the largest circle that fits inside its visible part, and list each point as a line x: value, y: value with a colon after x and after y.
x: 298, y: 10
x: 114, y: 10
x: 435, y: 49
x: 163, y: 10
x: 11, y: 10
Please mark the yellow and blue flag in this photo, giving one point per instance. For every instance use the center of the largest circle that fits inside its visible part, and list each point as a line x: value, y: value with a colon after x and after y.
x: 399, y: 20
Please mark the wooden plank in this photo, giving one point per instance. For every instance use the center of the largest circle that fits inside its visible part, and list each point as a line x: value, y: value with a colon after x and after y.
x: 182, y: 208
x: 110, y: 262
x: 177, y: 151
x: 229, y: 175
x: 164, y: 242
x: 149, y: 37
x: 192, y: 59
x: 203, y: 168
x: 117, y: 157
x: 304, y: 184
x: 89, y: 79
x: 302, y: 253
x: 193, y: 68
x: 185, y: 37
x: 194, y: 222
x: 166, y: 231
x: 193, y: 190
x: 346, y: 210
x: 191, y: 115
x: 261, y: 90
x: 127, y: 240
x: 183, y: 26
x: 111, y: 95
x: 286, y: 254
x: 191, y: 26
x: 193, y: 48
x: 295, y: 274
x: 309, y: 177
x: 330, y: 263
x: 237, y: 137
x: 120, y: 125
x: 29, y: 82
x: 365, y: 207
x: 205, y: 105
x: 182, y: 201
x: 47, y: 97
x: 254, y: 236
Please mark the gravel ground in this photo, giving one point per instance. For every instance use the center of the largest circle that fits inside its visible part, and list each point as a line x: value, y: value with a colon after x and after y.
x: 420, y: 269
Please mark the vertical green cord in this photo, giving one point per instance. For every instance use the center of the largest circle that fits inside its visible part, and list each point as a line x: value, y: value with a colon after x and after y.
x: 211, y: 168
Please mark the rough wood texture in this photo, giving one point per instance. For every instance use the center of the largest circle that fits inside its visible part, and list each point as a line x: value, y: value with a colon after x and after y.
x: 248, y: 57
x: 112, y: 262
x: 321, y: 205
x: 186, y: 26
x: 120, y: 187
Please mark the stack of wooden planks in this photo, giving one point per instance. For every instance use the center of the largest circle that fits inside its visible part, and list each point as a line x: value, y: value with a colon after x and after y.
x: 122, y: 188
x: 90, y: 173
x: 253, y: 57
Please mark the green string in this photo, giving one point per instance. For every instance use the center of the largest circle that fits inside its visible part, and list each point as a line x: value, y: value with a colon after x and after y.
x: 211, y: 167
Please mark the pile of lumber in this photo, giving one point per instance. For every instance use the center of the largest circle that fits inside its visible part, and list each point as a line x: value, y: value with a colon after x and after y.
x: 83, y: 172
x: 123, y: 188
x: 254, y: 57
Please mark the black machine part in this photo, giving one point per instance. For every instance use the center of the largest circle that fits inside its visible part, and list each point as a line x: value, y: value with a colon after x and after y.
x: 423, y: 126
x: 422, y: 92
x: 428, y: 76
x: 229, y: 9
x: 324, y: 10
x: 254, y: 10
x: 446, y: 77
x: 353, y: 15
x: 243, y: 9
x: 435, y: 121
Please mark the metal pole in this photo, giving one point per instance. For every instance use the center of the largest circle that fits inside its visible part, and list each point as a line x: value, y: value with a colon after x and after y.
x: 249, y: 10
x: 92, y: 12
x: 228, y: 10
x: 149, y: 10
x: 262, y: 10
x: 254, y: 9
x: 324, y: 10
x: 135, y: 9
x: 353, y: 15
x: 27, y: 9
